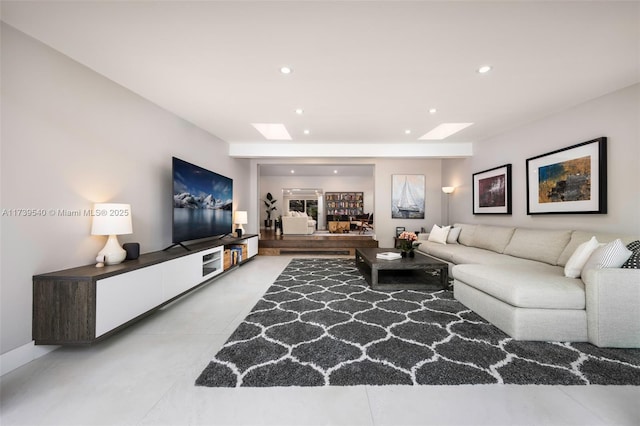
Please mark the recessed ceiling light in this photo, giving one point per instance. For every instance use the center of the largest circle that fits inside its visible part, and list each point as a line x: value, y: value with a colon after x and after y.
x: 285, y: 70
x: 407, y: 132
x: 484, y: 69
x: 432, y: 110
x: 443, y: 131
x: 293, y: 171
x: 306, y: 131
x: 299, y: 111
x: 272, y: 131
x: 335, y: 172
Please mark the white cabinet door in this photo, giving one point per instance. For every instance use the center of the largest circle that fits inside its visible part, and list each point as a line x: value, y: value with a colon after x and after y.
x: 124, y: 297
x: 179, y: 275
x: 252, y: 247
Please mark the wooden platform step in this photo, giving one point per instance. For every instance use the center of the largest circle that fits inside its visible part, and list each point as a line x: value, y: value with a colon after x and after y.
x: 310, y: 244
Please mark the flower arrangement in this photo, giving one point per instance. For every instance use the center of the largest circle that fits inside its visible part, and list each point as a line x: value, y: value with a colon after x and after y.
x: 411, y: 236
x: 407, y: 241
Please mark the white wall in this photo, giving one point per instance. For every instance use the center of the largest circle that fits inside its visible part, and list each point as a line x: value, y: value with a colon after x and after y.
x: 616, y: 116
x: 71, y: 137
x: 385, y: 168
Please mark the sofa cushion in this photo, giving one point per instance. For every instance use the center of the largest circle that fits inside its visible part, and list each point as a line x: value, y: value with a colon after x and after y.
x: 536, y: 285
x: 634, y: 261
x: 536, y: 244
x: 576, y: 262
x: 439, y: 234
x: 494, y: 238
x: 441, y: 251
x: 579, y: 237
x: 466, y: 233
x: 463, y: 254
x: 454, y: 233
x: 612, y: 255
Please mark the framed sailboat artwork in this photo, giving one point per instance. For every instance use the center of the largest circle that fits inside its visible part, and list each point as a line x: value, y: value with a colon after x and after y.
x: 407, y: 196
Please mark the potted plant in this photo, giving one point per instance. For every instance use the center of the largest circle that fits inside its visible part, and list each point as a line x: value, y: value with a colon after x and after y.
x: 270, y: 204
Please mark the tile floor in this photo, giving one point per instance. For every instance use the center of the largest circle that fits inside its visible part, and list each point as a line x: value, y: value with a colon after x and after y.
x: 145, y: 376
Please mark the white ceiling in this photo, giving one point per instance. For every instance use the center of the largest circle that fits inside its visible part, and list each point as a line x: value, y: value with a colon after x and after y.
x: 362, y: 71
x: 317, y: 170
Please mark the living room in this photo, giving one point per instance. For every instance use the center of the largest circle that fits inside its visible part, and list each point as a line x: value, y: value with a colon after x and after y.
x: 72, y: 137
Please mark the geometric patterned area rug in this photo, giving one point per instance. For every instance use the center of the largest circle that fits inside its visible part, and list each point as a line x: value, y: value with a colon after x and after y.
x: 320, y: 324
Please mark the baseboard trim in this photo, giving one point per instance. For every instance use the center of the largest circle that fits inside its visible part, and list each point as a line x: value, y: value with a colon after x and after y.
x: 23, y: 355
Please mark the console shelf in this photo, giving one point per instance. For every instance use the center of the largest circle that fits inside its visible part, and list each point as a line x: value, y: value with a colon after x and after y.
x: 84, y: 305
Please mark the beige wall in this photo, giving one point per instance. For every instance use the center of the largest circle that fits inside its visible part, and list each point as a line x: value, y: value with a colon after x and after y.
x: 616, y: 116
x: 70, y: 138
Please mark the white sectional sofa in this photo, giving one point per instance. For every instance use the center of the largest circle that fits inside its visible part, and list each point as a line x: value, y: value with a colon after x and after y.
x: 297, y: 223
x: 515, y: 278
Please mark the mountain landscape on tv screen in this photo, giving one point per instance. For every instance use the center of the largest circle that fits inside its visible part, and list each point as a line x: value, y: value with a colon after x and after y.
x: 186, y: 200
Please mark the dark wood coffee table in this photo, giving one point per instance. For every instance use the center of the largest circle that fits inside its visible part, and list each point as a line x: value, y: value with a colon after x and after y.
x: 421, y: 272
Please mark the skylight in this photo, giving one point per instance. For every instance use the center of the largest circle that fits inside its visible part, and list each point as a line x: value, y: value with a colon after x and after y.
x: 443, y: 131
x: 273, y: 131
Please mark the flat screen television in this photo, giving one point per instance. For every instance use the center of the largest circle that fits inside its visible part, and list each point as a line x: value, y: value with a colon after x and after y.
x: 202, y: 203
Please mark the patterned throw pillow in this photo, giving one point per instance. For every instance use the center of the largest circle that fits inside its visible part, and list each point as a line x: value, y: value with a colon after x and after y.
x: 634, y: 261
x: 612, y: 255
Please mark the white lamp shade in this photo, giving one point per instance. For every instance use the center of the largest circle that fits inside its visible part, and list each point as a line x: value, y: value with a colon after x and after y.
x: 111, y: 219
x: 240, y: 217
x: 448, y: 189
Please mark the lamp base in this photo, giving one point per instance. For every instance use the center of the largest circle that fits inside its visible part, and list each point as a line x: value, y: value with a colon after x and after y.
x: 112, y: 253
x: 239, y: 230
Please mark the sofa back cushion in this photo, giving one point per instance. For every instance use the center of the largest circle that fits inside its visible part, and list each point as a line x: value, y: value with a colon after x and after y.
x: 466, y: 233
x: 494, y: 238
x: 579, y: 237
x: 537, y: 244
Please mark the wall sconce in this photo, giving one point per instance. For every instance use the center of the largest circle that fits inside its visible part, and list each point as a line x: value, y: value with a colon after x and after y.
x: 448, y: 190
x: 111, y: 219
x: 240, y: 218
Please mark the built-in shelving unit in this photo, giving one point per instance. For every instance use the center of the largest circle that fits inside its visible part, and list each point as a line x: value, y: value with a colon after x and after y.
x: 86, y: 304
x: 211, y: 263
x: 344, y: 203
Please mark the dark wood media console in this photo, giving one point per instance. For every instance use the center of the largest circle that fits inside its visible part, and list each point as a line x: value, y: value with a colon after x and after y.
x: 84, y: 305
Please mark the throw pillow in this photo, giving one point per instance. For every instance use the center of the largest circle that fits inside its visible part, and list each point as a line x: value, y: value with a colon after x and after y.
x: 576, y: 262
x: 634, y: 261
x: 612, y: 255
x: 454, y: 233
x: 438, y: 234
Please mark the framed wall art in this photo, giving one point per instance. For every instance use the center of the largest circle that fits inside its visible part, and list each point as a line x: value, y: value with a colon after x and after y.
x: 569, y: 180
x: 492, y: 191
x: 407, y: 196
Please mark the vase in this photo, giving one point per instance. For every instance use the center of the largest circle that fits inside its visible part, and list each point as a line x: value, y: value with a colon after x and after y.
x: 403, y: 253
x: 412, y: 253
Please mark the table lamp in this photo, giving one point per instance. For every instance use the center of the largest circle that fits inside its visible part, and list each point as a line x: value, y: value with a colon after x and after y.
x: 240, y: 218
x: 111, y: 219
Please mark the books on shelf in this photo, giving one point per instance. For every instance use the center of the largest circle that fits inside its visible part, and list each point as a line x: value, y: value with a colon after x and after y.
x: 236, y: 255
x: 388, y: 255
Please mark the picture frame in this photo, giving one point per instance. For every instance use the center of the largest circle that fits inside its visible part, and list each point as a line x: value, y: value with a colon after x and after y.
x: 492, y: 191
x: 399, y: 230
x: 571, y: 180
x: 407, y: 196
